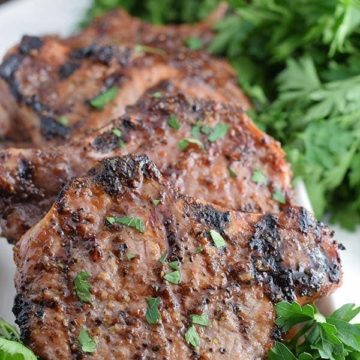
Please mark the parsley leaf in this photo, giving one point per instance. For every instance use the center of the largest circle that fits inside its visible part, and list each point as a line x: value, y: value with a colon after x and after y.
x: 218, y: 240
x: 63, y: 120
x: 184, y: 143
x: 173, y: 122
x: 173, y: 277
x: 104, y: 98
x: 8, y: 331
x: 192, y: 337
x: 82, y: 286
x: 15, y: 350
x: 163, y: 257
x: 129, y: 221
x: 175, y: 265
x: 232, y: 173
x: 259, y: 178
x: 218, y: 132
x: 157, y: 95
x: 152, y: 313
x: 202, y: 320
x: 87, y: 343
x: 194, y: 43
x: 156, y: 202
x: 117, y: 132
x: 130, y: 255
x: 279, y: 196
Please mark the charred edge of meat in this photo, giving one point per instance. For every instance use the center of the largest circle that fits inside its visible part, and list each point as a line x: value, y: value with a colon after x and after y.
x: 35, y: 104
x: 306, y: 221
x: 175, y: 251
x: 29, y: 43
x: 266, y: 260
x: 130, y: 171
x: 22, y: 310
x: 68, y: 69
x: 50, y: 128
x: 103, y: 54
x: 83, y: 53
x: 281, y: 283
x: 213, y: 218
x: 7, y: 72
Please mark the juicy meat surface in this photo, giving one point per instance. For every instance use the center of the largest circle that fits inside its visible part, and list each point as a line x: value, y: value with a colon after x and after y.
x: 53, y: 79
x: 267, y: 258
x: 221, y: 171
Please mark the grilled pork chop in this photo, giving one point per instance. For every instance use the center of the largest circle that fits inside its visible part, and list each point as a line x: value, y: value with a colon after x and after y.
x: 115, y: 227
x: 59, y: 85
x: 206, y: 149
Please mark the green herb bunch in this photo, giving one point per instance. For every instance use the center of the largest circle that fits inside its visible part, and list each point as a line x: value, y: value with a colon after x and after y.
x: 155, y: 11
x: 319, y: 337
x: 299, y: 62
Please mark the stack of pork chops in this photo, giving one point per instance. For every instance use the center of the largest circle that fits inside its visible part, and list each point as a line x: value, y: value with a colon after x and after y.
x: 151, y: 218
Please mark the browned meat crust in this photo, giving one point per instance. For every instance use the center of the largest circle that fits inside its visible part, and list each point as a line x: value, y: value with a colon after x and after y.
x: 267, y: 258
x: 52, y: 78
x: 220, y: 172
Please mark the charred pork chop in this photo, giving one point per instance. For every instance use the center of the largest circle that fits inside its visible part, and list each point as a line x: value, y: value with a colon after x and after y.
x: 64, y: 87
x: 206, y: 149
x: 125, y: 262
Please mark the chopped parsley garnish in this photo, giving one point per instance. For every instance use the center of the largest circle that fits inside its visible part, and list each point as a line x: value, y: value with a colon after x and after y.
x: 206, y: 129
x: 163, y: 257
x: 157, y: 95
x: 82, y: 286
x: 63, y: 120
x: 173, y: 277
x: 156, y: 202
x: 152, y: 313
x: 192, y: 337
x: 104, y: 98
x: 194, y: 43
x: 175, y: 265
x: 219, y: 131
x: 184, y: 143
x: 199, y: 249
x: 258, y: 177
x: 173, y: 122
x: 195, y: 130
x: 202, y: 319
x: 232, y: 173
x: 129, y: 221
x: 87, y: 343
x: 139, y: 48
x: 218, y: 240
x: 117, y: 132
x: 279, y: 196
x: 130, y: 255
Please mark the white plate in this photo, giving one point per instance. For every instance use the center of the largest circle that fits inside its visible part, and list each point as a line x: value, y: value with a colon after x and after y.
x: 21, y: 17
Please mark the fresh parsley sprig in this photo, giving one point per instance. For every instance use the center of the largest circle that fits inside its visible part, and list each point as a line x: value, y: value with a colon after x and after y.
x: 11, y: 347
x: 331, y: 337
